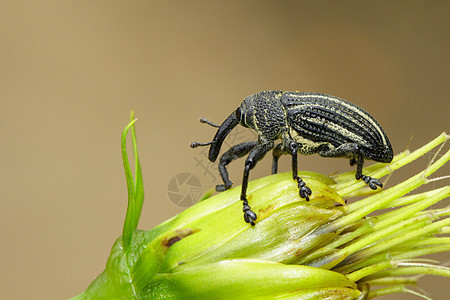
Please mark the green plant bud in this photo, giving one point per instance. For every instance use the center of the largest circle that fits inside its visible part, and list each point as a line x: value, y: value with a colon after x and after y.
x: 283, y: 219
x: 249, y: 279
x: 320, y: 249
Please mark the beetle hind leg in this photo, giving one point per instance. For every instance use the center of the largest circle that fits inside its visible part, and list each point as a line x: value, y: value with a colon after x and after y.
x: 373, y: 183
x: 352, y: 149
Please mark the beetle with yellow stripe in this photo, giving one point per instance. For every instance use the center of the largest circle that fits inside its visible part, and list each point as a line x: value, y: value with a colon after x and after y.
x: 306, y: 123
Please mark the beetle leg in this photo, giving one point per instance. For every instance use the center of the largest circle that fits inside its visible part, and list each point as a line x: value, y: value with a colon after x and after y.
x: 347, y: 150
x: 255, y: 155
x: 372, y: 182
x: 277, y: 152
x: 304, y: 191
x: 233, y: 153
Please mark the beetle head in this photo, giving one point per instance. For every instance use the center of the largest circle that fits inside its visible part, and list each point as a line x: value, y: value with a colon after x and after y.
x: 245, y: 112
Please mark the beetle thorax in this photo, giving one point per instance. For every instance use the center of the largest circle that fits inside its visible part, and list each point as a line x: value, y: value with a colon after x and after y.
x: 265, y: 113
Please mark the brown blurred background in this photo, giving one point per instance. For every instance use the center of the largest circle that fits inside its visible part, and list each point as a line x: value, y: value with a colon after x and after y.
x: 71, y: 71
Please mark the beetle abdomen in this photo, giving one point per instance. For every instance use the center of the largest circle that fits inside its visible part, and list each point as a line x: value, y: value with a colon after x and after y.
x: 320, y: 118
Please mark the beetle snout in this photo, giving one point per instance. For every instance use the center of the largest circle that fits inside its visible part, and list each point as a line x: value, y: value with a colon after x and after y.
x: 221, y: 134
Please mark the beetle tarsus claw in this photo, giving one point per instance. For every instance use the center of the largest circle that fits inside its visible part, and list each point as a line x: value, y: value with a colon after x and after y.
x: 304, y: 191
x: 249, y: 215
x: 223, y: 187
x: 373, y: 183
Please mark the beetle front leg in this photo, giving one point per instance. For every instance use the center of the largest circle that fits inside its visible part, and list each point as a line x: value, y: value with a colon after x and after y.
x: 304, y: 191
x: 372, y: 182
x: 255, y: 155
x: 233, y: 153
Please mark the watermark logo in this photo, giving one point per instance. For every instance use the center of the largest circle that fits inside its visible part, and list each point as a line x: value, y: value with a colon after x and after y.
x: 238, y: 135
x: 184, y: 189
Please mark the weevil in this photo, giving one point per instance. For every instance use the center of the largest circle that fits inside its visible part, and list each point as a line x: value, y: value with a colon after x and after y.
x: 306, y: 123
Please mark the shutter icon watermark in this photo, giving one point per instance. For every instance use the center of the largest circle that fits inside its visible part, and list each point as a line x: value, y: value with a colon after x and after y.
x: 184, y: 189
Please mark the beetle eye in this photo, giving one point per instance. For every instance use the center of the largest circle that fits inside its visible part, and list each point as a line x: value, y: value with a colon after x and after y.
x: 238, y: 113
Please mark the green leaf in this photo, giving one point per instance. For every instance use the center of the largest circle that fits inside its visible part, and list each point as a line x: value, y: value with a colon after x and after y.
x: 135, y: 187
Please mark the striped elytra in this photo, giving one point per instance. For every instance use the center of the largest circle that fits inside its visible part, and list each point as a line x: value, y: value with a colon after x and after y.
x: 327, y: 119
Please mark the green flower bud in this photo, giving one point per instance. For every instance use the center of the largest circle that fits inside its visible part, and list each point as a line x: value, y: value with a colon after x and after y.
x: 321, y: 249
x: 249, y: 279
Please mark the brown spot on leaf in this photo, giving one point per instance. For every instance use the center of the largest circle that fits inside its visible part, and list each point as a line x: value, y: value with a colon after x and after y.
x: 177, y: 236
x: 265, y: 211
x: 299, y: 252
x: 173, y: 240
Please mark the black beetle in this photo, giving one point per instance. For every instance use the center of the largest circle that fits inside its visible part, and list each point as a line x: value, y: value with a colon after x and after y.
x: 306, y: 123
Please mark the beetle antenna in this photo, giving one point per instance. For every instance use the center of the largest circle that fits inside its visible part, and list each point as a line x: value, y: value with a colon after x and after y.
x: 206, y: 121
x: 197, y: 144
